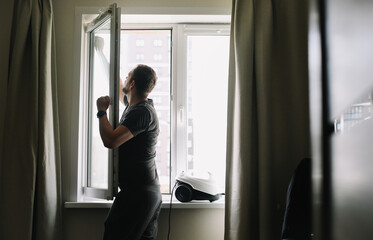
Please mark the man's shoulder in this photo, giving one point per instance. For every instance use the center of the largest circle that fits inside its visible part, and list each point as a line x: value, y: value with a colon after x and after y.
x: 148, y: 105
x: 138, y: 110
x: 143, y: 109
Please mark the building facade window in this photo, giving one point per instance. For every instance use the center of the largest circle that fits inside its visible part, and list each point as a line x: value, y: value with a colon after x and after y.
x: 140, y: 42
x: 157, y: 57
x: 139, y: 57
x: 157, y: 43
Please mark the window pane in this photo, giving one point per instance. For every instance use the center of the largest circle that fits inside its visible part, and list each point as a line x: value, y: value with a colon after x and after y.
x: 207, y: 84
x: 99, y: 86
x: 155, y: 51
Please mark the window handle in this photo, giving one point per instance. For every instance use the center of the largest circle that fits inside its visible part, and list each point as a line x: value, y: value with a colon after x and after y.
x: 181, y: 114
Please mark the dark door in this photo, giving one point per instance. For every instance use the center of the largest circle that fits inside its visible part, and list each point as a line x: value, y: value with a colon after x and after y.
x: 342, y: 119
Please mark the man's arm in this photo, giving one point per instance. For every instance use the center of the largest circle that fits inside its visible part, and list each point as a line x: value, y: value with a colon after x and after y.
x: 111, y: 138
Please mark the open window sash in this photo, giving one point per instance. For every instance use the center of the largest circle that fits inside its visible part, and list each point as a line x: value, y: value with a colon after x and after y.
x: 103, y: 36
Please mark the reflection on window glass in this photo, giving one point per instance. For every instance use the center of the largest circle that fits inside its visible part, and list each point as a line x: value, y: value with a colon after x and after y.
x: 355, y: 115
x: 99, y: 85
x: 151, y: 42
x: 207, y: 85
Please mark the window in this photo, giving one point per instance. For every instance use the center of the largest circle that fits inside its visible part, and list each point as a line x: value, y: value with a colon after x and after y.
x: 157, y: 57
x: 191, y: 61
x: 202, y: 100
x: 140, y: 42
x: 157, y: 43
x: 161, y: 94
x: 102, y: 69
x: 207, y: 75
x: 139, y: 57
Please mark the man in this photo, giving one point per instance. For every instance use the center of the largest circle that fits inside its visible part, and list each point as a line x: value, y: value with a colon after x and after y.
x: 135, y: 210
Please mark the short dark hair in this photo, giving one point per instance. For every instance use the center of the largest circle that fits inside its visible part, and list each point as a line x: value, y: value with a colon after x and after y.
x: 145, y: 79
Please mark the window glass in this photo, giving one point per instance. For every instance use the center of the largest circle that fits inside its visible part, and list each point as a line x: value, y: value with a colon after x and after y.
x: 207, y: 84
x: 99, y: 86
x: 160, y: 61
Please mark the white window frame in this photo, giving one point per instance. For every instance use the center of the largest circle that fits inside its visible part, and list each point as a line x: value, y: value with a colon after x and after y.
x: 180, y: 32
x: 180, y: 131
x: 111, y: 14
x: 178, y: 115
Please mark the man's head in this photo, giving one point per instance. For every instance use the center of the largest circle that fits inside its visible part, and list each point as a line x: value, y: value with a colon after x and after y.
x: 144, y: 78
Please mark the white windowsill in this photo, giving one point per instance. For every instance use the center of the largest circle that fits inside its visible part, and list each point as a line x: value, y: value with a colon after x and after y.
x: 166, y: 203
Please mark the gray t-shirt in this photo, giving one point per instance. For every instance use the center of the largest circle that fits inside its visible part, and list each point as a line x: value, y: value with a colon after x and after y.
x: 137, y: 156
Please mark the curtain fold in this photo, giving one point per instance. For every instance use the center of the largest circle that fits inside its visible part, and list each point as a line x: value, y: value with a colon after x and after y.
x: 30, y: 191
x: 268, y: 118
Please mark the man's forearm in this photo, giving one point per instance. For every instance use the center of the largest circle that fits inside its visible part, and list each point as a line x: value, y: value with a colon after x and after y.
x: 106, y: 130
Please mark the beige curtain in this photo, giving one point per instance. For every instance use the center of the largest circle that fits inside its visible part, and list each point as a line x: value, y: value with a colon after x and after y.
x: 30, y: 201
x: 268, y: 117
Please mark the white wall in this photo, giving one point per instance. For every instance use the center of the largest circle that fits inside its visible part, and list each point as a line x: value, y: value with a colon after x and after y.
x: 187, y: 224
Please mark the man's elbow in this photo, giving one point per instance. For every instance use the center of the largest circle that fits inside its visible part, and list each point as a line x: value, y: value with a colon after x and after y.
x: 109, y: 144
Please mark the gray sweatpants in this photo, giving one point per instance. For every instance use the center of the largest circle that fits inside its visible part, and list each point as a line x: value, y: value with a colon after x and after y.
x: 134, y: 215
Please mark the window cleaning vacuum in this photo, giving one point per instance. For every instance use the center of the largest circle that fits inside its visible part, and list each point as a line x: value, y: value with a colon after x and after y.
x: 189, y: 187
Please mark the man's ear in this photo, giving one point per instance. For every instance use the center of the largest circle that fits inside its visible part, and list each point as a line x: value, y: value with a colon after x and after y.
x: 132, y: 83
